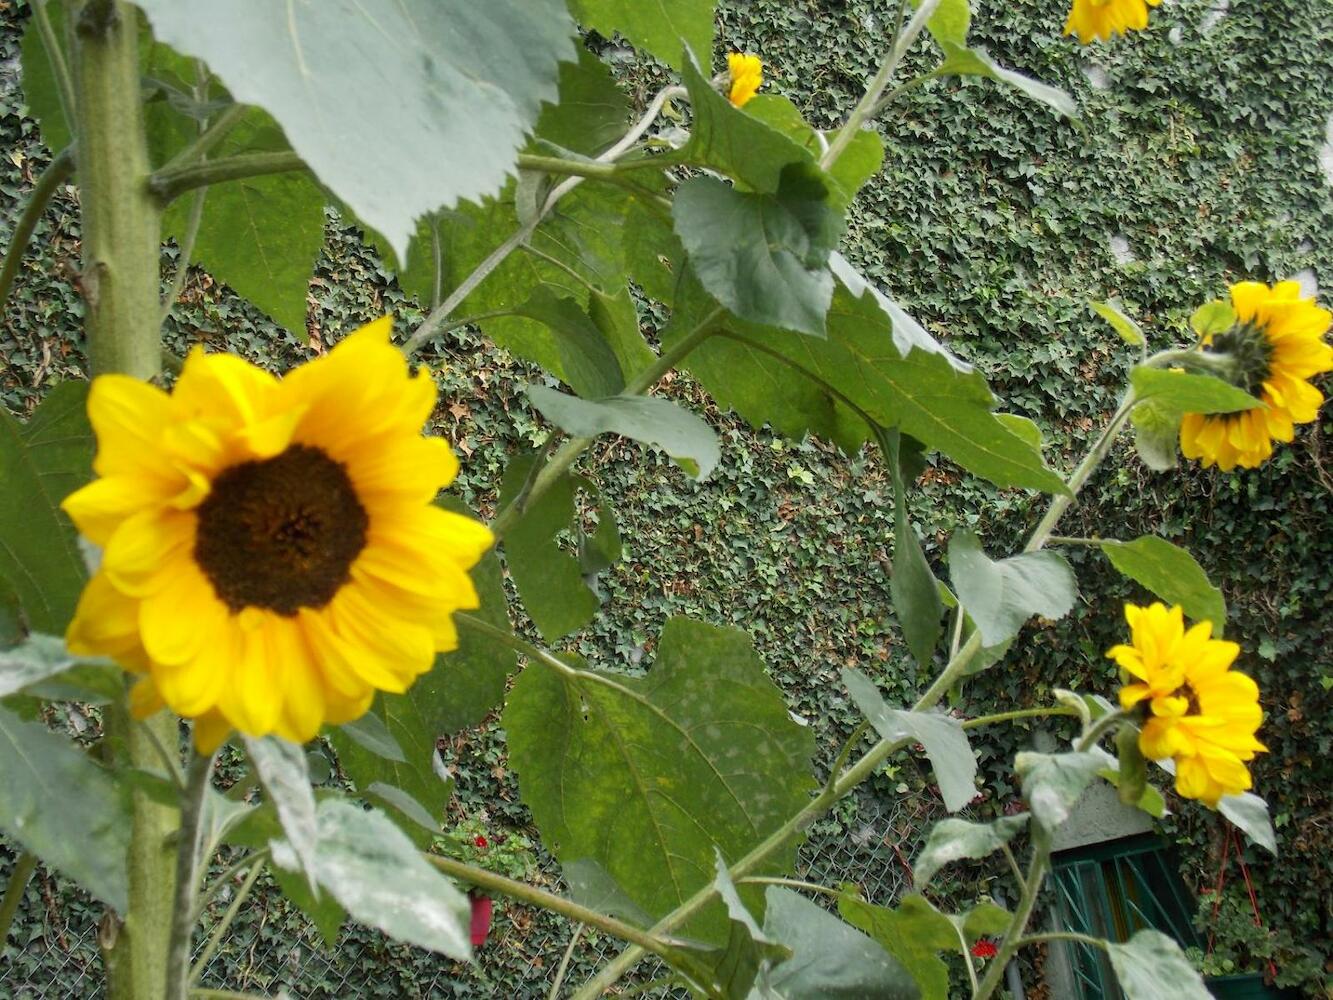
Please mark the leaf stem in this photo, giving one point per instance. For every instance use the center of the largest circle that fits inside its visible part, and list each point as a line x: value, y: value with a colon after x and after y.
x: 56, y: 173
x: 1020, y: 713
x: 188, y: 848
x: 169, y: 183
x: 791, y: 883
x: 205, y: 897
x: 13, y: 898
x: 215, y: 939
x: 564, y: 962
x: 1073, y: 936
x: 1073, y: 540
x: 530, y: 894
x: 212, y: 134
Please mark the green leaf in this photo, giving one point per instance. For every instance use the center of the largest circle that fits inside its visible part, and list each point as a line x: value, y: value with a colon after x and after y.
x: 861, y: 159
x: 950, y: 21
x: 944, y: 739
x: 282, y: 769
x: 425, y: 78
x: 64, y: 808
x: 37, y: 658
x: 750, y: 953
x: 618, y: 319
x: 1151, y: 966
x: 962, y: 61
x: 1052, y: 783
x: 1180, y: 392
x: 1150, y: 800
x: 394, y: 796
x: 575, y: 348
x: 592, y: 886
x: 952, y: 839
x: 912, y: 587
x: 725, y: 139
x: 600, y: 550
x: 1213, y: 318
x: 1172, y: 574
x: 650, y: 419
x: 803, y: 384
x: 370, y: 867
x: 549, y: 579
x: 1001, y: 595
x: 1130, y: 332
x: 656, y: 26
x: 830, y: 960
x: 763, y: 256
x: 370, y: 733
x: 1132, y: 772
x: 260, y: 235
x: 322, y: 909
x: 39, y: 80
x: 1249, y: 812
x: 1156, y: 431
x: 591, y: 113
x: 41, y: 463
x: 666, y: 788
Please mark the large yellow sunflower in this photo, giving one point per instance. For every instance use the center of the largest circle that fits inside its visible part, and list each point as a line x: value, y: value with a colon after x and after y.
x: 271, y: 556
x: 746, y: 73
x: 1276, y: 345
x: 1197, y: 711
x: 1103, y: 19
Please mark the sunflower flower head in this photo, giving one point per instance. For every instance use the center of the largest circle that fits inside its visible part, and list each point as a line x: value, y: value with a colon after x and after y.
x: 271, y: 555
x: 1194, y: 708
x: 1104, y: 19
x: 746, y: 76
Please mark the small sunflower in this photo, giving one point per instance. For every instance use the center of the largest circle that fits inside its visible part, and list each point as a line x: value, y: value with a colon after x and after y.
x: 271, y: 556
x: 1196, y: 710
x: 746, y: 73
x: 1276, y: 345
x: 1104, y: 19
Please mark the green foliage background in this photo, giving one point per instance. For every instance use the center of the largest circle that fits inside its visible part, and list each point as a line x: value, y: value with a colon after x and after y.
x: 992, y: 222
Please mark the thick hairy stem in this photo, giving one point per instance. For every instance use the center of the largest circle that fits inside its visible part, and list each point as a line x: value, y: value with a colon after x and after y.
x: 18, y: 884
x: 189, y: 845
x: 56, y: 173
x: 1041, y: 856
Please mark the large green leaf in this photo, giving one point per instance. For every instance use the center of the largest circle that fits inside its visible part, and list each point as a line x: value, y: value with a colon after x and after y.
x: 591, y: 112
x: 1001, y: 594
x: 39, y: 81
x: 1052, y: 783
x: 282, y: 769
x: 660, y: 422
x: 1177, y: 392
x: 37, y: 658
x: 1172, y: 574
x: 1151, y: 966
x: 944, y: 739
x: 763, y: 256
x: 748, y: 959
x: 657, y: 26
x: 380, y: 100
x: 549, y: 579
x: 377, y: 875
x: 260, y: 235
x: 64, y: 808
x: 648, y: 775
x: 959, y: 60
x: 871, y: 364
x: 41, y: 463
x: 953, y: 839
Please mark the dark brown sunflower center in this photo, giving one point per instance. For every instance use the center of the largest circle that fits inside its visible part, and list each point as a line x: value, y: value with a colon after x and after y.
x: 280, y: 534
x: 1251, y: 352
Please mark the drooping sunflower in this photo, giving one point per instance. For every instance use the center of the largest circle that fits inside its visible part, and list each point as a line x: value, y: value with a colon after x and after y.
x: 271, y: 555
x: 1104, y: 19
x: 1276, y: 345
x: 1195, y: 709
x: 746, y: 73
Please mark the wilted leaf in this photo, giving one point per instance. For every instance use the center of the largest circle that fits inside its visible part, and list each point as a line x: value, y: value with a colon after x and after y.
x: 953, y: 839
x: 1000, y: 595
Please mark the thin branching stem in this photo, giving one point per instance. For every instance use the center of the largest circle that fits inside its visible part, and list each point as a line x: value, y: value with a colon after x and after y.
x: 563, y: 968
x: 189, y: 845
x: 14, y: 889
x: 56, y: 173
x: 215, y: 939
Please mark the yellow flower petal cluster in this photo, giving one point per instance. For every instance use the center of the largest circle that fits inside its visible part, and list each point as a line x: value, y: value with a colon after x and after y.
x: 1198, y: 711
x: 1104, y: 19
x: 747, y: 76
x: 270, y: 553
x: 1280, y: 333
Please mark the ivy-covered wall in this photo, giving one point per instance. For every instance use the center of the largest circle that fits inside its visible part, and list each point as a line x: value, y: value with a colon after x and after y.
x: 1197, y: 162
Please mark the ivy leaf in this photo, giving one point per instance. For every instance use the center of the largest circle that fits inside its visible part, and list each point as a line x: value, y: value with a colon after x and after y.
x: 282, y: 769
x: 763, y: 256
x: 591, y: 112
x: 41, y: 463
x: 1178, y: 392
x: 1130, y: 332
x: 377, y: 875
x: 1052, y: 783
x: 549, y: 580
x: 1151, y: 966
x: 652, y: 420
x: 1249, y: 812
x: 1001, y: 595
x: 944, y: 739
x: 959, y: 60
x: 953, y: 839
x: 656, y: 26
x: 379, y: 100
x: 666, y: 791
x: 1172, y: 574
x: 64, y: 808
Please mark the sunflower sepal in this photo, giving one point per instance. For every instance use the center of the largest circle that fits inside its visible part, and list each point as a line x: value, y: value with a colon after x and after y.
x: 1212, y: 318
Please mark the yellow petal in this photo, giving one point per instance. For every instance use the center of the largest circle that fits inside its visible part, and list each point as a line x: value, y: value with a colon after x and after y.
x: 139, y: 556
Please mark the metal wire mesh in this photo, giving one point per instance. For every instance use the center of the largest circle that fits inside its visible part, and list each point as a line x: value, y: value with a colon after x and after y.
x: 270, y: 949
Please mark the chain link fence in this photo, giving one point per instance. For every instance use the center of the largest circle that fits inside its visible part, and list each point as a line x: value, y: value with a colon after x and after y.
x: 271, y: 949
